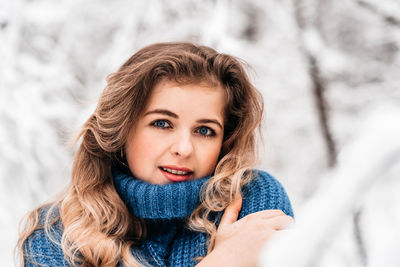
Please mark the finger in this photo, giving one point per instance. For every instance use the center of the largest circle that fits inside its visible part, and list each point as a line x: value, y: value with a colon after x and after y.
x: 231, y: 212
x: 266, y: 214
x: 280, y: 222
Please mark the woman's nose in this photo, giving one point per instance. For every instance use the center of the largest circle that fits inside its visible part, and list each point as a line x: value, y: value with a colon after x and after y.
x: 182, y: 145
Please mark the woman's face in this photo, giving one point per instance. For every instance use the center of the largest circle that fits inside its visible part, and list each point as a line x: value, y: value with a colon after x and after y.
x: 179, y: 135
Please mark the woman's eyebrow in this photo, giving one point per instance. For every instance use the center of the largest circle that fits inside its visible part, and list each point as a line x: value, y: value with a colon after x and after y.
x: 162, y: 111
x: 210, y: 121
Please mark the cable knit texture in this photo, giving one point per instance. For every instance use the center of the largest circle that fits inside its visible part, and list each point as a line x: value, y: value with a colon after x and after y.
x: 165, y: 209
x: 152, y: 201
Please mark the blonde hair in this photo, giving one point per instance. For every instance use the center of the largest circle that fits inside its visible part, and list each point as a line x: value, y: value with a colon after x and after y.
x: 98, y: 229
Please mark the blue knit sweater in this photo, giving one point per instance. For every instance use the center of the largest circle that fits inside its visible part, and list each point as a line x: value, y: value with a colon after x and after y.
x: 164, y: 208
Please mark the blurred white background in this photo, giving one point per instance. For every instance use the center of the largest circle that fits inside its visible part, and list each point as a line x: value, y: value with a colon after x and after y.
x: 329, y: 71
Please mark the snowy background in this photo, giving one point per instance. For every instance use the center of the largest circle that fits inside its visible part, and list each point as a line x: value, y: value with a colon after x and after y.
x: 329, y: 71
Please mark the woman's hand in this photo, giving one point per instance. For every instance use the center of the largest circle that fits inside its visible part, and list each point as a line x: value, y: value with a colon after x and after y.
x: 238, y: 242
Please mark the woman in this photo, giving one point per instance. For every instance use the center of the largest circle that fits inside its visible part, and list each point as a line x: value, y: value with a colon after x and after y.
x: 163, y: 175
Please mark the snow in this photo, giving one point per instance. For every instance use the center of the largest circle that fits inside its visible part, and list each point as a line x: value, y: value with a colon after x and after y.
x: 55, y: 56
x: 362, y: 165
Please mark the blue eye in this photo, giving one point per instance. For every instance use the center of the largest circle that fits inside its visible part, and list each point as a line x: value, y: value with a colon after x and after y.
x: 206, y: 131
x: 163, y: 124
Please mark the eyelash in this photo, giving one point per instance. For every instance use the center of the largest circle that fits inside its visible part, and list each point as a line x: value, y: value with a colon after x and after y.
x: 212, y: 132
x: 154, y: 124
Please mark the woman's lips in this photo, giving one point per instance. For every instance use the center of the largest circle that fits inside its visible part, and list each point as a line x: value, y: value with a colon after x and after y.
x: 176, y: 174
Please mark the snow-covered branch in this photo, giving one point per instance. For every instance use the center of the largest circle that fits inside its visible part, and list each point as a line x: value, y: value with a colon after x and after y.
x: 387, y: 10
x: 361, y: 165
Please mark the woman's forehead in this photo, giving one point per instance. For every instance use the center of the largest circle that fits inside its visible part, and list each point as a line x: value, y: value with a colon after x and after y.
x: 194, y: 98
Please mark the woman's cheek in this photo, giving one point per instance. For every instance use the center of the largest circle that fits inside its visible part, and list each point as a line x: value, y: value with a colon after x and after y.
x: 211, y: 154
x: 152, y: 143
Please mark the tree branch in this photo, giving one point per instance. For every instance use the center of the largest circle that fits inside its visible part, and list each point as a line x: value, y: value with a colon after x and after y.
x: 305, y: 19
x: 388, y: 18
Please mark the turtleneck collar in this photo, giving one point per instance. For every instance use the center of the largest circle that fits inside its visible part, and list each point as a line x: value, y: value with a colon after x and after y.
x: 152, y: 201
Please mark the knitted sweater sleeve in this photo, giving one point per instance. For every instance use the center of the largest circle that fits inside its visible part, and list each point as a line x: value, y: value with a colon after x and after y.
x: 264, y: 192
x: 43, y: 248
